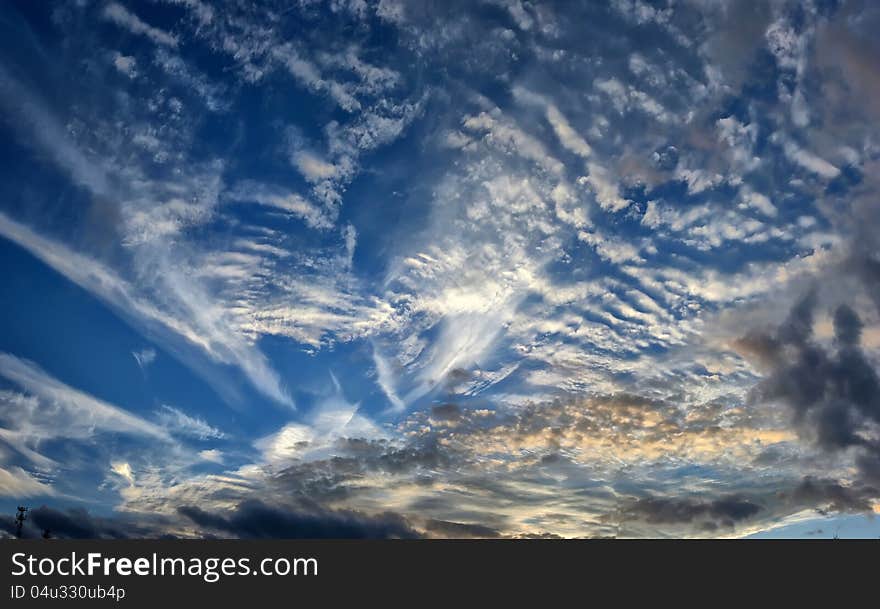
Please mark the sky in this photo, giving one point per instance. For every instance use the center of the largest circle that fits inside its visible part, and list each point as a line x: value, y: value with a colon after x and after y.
x: 393, y: 268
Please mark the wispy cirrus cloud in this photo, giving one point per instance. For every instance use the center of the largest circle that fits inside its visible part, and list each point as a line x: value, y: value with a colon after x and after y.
x: 122, y: 295
x: 122, y: 17
x: 177, y: 422
x: 61, y: 409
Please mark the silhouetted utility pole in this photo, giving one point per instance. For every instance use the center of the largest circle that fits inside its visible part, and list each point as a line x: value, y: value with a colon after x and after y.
x: 20, y: 517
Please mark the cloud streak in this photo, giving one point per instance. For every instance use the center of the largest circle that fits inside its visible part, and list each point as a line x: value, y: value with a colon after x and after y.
x: 202, y: 332
x: 73, y: 412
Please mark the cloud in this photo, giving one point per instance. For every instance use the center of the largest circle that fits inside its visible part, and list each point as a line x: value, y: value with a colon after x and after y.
x: 211, y: 455
x: 63, y: 411
x: 78, y: 523
x: 313, y: 168
x: 202, y: 330
x: 277, y: 198
x: 125, y: 64
x: 144, y: 357
x: 605, y: 188
x: 309, y: 75
x: 254, y: 519
x: 37, y: 125
x: 708, y: 514
x: 626, y: 98
x: 566, y: 134
x: 179, y: 423
x: 573, y: 225
x: 834, y: 397
x: 123, y: 470
x: 611, y: 250
x: 215, y: 96
x: 830, y: 496
x: 760, y: 202
x: 122, y: 17
x: 809, y: 160
x: 203, y: 12
x: 506, y: 136
x: 17, y: 483
x: 330, y: 419
x: 741, y: 140
x: 385, y: 380
x: 458, y: 530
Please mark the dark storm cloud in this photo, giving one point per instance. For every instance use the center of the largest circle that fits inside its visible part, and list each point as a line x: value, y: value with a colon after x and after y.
x: 8, y: 529
x: 80, y: 524
x: 458, y: 530
x: 411, y: 458
x: 255, y: 519
x: 336, y: 478
x: 541, y: 536
x: 712, y: 513
x: 381, y: 456
x: 833, y: 394
x: 250, y: 519
x: 446, y: 412
x: 831, y: 496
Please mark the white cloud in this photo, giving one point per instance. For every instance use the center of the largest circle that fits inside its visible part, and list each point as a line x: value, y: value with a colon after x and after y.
x: 62, y: 411
x: 211, y: 455
x: 309, y: 75
x: 741, y: 140
x: 760, y: 202
x: 566, y: 134
x: 393, y: 11
x: 349, y: 235
x: 385, y: 380
x: 213, y: 95
x: 567, y: 207
x: 125, y: 64
x: 517, y: 12
x: 507, y: 136
x: 626, y: 98
x: 51, y: 135
x: 699, y: 180
x: 786, y: 45
x: 657, y: 215
x: 331, y: 419
x: 605, y: 188
x: 123, y: 470
x: 144, y: 357
x: 800, y: 110
x: 16, y: 482
x: 641, y: 12
x: 313, y: 168
x: 809, y: 161
x: 373, y: 80
x: 288, y: 202
x: 613, y: 250
x: 179, y: 423
x: 201, y: 328
x: 465, y: 341
x: 377, y: 124
x: 122, y: 17
x: 568, y: 137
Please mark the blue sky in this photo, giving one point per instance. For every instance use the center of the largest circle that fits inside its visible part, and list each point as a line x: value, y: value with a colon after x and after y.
x: 495, y: 268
